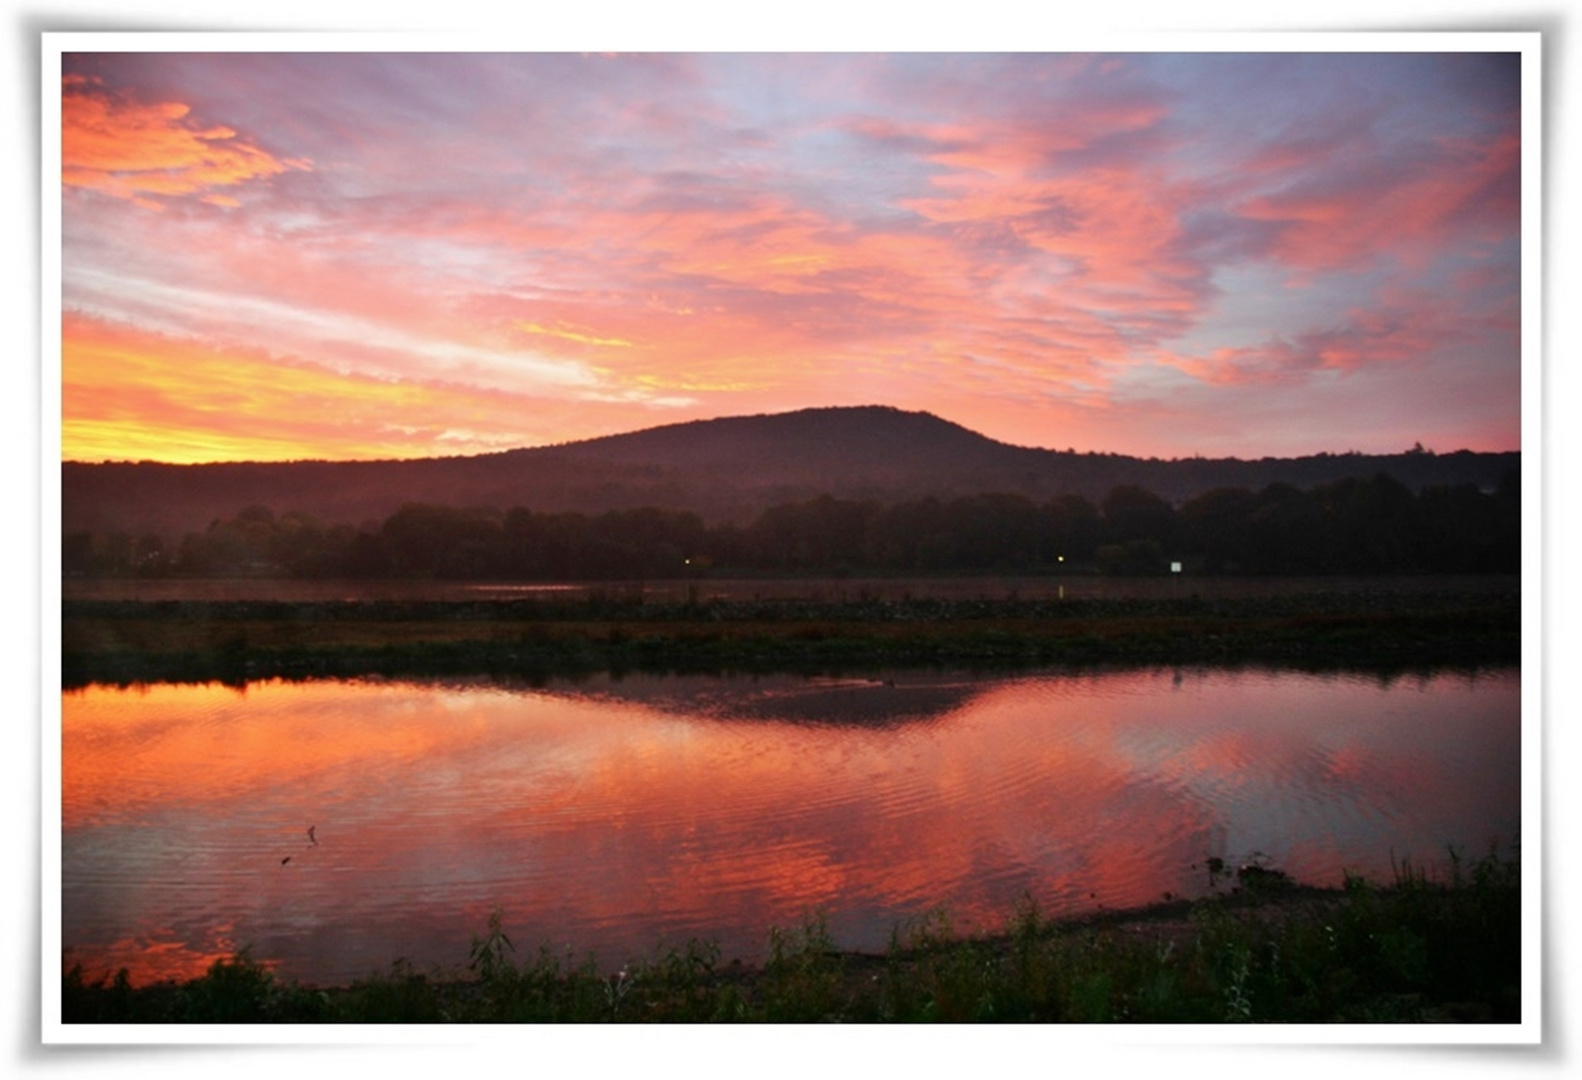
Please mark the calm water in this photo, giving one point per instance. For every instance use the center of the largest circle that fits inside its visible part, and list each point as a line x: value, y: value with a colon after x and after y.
x: 1072, y: 587
x: 614, y: 815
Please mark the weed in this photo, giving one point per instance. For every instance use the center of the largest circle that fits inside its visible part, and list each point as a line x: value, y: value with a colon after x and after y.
x: 488, y: 955
x: 801, y: 976
x: 1404, y: 951
x: 1238, y: 1006
x: 616, y: 987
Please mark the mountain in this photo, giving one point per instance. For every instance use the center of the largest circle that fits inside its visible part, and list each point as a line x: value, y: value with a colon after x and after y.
x: 728, y: 469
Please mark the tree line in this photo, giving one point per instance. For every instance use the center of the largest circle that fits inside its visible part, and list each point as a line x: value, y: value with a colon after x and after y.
x: 1368, y: 525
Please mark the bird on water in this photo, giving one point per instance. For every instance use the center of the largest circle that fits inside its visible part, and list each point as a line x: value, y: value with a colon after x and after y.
x: 312, y: 839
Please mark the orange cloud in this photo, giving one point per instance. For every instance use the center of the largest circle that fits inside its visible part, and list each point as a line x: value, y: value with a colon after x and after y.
x: 129, y: 394
x: 131, y: 150
x: 573, y: 335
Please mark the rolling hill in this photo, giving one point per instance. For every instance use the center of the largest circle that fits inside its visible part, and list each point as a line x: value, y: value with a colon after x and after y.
x: 728, y: 469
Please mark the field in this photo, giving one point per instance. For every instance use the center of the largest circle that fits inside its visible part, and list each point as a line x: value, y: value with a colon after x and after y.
x: 234, y: 631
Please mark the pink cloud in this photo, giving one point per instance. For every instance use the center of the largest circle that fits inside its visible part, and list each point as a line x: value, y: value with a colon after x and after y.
x: 129, y: 149
x: 1413, y: 210
x: 1405, y: 330
x: 994, y: 237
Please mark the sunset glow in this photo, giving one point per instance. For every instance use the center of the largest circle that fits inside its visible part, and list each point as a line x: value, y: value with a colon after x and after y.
x: 645, y: 806
x: 277, y: 256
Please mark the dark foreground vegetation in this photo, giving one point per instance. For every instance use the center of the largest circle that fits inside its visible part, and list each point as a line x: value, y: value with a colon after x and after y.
x: 1371, y: 525
x: 1415, y: 951
x: 112, y: 641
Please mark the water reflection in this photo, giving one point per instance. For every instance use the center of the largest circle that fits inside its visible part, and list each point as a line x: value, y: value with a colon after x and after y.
x: 614, y: 814
x: 883, y: 701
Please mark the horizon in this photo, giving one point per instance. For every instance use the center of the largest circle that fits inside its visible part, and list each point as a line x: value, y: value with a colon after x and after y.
x: 794, y: 411
x: 380, y: 256
x: 1418, y: 445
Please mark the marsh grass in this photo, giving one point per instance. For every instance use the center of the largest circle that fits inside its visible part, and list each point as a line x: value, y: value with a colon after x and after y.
x: 1414, y: 950
x: 130, y: 641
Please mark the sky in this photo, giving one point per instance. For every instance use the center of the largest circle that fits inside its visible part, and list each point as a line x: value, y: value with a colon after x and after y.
x: 281, y: 256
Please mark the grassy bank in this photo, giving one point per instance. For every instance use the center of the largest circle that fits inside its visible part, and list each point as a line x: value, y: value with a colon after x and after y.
x: 132, y: 641
x: 1412, y: 951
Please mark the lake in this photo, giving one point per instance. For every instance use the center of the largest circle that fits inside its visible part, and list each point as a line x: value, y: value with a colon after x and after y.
x: 613, y: 815
x: 822, y: 589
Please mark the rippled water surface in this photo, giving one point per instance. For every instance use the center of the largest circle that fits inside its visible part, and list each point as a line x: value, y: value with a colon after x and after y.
x: 612, y: 816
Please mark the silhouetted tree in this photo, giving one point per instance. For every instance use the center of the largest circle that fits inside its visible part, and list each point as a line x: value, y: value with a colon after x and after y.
x: 1133, y: 513
x: 422, y: 539
x: 1214, y: 527
x: 1358, y: 525
x: 1071, y: 531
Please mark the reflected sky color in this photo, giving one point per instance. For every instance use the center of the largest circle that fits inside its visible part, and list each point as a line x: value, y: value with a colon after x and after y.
x: 613, y: 816
x: 281, y: 256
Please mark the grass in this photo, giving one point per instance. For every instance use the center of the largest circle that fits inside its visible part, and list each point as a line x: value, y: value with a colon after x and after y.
x: 233, y: 641
x: 1412, y: 951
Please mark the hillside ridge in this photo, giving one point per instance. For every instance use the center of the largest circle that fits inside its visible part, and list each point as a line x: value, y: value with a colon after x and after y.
x: 724, y: 469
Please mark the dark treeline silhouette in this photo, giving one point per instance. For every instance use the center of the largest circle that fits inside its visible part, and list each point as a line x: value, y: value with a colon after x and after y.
x: 1355, y: 526
x: 726, y: 470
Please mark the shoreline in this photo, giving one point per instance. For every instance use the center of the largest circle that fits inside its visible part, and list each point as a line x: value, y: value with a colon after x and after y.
x: 1269, y: 950
x: 132, y: 641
